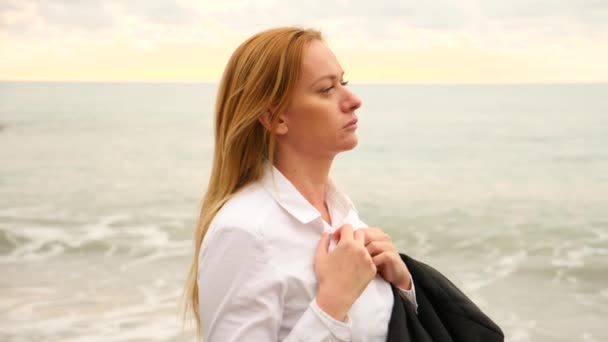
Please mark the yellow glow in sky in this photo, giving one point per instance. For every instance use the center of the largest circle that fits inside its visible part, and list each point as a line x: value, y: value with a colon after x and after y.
x: 136, y: 49
x: 121, y: 61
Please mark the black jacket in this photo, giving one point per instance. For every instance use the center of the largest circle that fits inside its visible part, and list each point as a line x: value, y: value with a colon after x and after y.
x: 445, y: 314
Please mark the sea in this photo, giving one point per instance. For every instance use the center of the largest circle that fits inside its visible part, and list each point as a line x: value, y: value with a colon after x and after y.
x: 503, y: 188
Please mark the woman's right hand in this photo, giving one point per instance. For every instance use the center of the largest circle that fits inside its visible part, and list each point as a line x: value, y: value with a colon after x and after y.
x: 343, y: 273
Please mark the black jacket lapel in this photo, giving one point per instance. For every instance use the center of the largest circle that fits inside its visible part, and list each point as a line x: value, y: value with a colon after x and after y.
x: 445, y: 314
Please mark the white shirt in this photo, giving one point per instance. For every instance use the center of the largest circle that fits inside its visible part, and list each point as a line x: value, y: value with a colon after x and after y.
x: 256, y: 279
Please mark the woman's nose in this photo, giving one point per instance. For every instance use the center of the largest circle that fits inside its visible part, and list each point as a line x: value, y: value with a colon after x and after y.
x: 351, y: 102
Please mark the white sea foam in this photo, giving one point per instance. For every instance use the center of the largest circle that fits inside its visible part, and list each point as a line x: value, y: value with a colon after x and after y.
x: 35, y: 242
x: 517, y: 329
x: 497, y: 270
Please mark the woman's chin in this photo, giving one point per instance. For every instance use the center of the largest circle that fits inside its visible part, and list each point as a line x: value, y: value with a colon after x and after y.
x: 350, y: 143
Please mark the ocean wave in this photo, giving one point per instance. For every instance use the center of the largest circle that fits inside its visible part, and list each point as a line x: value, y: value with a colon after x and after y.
x: 116, y: 234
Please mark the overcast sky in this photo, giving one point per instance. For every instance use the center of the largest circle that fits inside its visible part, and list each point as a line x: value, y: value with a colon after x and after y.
x: 376, y: 41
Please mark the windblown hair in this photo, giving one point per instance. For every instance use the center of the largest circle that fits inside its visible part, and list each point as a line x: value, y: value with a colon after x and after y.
x: 260, y: 78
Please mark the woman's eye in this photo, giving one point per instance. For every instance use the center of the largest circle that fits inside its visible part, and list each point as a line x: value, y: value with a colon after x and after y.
x: 327, y: 90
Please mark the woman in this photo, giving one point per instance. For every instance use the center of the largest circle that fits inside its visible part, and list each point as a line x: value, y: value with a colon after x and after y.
x: 280, y: 252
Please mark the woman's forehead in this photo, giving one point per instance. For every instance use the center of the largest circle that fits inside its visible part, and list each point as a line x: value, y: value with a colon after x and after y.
x: 318, y: 61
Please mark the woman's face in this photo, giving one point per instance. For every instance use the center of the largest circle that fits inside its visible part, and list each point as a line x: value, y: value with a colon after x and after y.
x: 320, y: 119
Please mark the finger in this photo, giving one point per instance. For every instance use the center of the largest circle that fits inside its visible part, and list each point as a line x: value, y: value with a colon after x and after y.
x: 345, y: 233
x: 336, y: 235
x: 360, y: 236
x: 377, y: 247
x: 381, y: 259
x: 322, y: 246
x: 375, y: 234
x: 363, y: 231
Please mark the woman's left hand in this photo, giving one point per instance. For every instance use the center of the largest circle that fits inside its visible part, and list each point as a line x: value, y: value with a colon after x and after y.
x: 386, y: 258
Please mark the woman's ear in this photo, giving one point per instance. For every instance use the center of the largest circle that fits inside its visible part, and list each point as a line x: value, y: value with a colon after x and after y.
x: 266, y: 120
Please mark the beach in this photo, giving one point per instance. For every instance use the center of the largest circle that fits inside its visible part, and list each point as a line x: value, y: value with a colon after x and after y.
x: 503, y: 188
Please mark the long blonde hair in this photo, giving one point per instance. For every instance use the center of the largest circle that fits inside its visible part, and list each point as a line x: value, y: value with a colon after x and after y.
x: 259, y: 78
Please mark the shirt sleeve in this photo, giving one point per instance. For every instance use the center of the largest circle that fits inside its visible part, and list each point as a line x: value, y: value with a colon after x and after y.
x: 241, y: 294
x: 410, y: 295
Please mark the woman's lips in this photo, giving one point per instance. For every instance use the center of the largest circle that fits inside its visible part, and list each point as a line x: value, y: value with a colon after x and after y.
x: 352, y: 124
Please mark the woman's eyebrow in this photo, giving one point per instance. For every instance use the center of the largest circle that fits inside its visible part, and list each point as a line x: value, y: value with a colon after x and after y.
x: 330, y: 76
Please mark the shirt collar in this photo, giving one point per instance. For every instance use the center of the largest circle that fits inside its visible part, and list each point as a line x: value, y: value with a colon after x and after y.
x: 288, y: 197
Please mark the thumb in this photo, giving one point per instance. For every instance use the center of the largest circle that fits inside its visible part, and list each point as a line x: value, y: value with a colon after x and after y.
x: 323, y: 246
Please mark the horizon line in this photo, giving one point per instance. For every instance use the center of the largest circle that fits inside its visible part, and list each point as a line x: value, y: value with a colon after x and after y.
x: 215, y: 82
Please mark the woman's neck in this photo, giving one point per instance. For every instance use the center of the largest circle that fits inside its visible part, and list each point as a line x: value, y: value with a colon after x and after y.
x: 308, y: 175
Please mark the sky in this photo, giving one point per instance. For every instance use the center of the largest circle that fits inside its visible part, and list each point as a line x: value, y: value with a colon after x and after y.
x: 380, y: 41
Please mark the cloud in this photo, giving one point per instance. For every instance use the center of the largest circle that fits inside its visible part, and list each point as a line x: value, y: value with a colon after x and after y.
x: 45, y: 18
x: 39, y: 18
x: 161, y: 11
x: 374, y: 21
x: 548, y: 18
